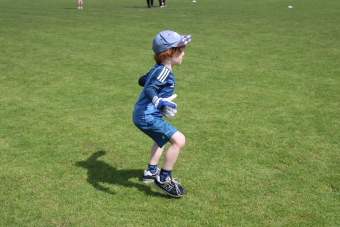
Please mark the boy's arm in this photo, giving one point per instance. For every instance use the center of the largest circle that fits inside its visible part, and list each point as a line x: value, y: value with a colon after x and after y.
x: 158, y: 102
x: 151, y: 91
x: 157, y: 82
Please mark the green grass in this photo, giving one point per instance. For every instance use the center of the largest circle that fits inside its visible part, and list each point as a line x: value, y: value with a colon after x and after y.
x: 260, y: 111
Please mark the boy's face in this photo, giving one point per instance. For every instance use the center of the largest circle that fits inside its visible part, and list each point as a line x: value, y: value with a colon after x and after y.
x: 177, y: 59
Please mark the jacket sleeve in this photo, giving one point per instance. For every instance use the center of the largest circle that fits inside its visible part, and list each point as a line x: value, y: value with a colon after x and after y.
x: 156, y: 83
x: 154, y: 88
x: 151, y: 92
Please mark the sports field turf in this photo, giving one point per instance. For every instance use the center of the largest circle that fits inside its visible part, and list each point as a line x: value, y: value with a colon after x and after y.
x: 258, y: 101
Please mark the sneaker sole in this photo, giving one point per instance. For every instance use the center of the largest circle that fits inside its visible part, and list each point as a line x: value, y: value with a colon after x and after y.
x: 146, y: 181
x: 161, y: 189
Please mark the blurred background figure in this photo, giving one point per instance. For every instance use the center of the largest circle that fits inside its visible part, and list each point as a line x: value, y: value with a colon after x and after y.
x: 162, y: 3
x: 150, y: 3
x: 80, y: 4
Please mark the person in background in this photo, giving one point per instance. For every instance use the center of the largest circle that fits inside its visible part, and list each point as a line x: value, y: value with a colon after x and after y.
x: 150, y: 3
x: 80, y: 4
x: 162, y: 3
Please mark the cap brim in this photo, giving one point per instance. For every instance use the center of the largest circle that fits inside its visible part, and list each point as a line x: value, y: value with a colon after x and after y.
x: 184, y: 41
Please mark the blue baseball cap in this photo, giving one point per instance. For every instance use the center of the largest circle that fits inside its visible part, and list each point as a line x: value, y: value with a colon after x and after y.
x: 168, y: 39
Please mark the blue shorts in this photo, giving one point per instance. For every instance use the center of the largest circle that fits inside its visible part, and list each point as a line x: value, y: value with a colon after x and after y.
x: 158, y: 130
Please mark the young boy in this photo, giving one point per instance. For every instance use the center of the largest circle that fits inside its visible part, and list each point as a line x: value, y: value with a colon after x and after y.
x: 154, y: 102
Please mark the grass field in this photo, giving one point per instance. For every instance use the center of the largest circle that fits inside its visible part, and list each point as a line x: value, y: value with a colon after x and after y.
x: 259, y: 109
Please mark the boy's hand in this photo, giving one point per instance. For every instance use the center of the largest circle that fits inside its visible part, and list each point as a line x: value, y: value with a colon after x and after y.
x: 160, y: 102
x: 168, y: 112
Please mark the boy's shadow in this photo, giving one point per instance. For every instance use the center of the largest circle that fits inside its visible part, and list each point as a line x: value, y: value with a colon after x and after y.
x: 99, y: 173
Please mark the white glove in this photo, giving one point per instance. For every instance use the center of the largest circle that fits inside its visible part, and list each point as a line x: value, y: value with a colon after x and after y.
x: 168, y: 112
x: 159, y: 102
x: 166, y: 106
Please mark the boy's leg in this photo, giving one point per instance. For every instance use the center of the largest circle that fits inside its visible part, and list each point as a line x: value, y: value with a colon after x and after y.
x: 155, y: 154
x: 153, y: 170
x: 177, y: 144
x: 164, y: 180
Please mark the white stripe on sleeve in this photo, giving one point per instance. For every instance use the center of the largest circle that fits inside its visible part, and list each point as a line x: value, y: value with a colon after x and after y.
x: 163, y: 75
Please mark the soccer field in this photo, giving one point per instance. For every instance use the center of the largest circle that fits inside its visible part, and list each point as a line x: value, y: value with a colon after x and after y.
x: 258, y: 101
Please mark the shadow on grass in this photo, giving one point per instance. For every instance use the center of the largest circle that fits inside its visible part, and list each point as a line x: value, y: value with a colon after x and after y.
x: 99, y: 172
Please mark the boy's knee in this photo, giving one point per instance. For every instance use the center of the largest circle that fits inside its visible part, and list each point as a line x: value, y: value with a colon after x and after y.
x: 183, y: 140
x: 179, y: 140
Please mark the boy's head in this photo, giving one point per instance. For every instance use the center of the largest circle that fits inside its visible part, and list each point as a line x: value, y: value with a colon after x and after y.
x: 167, y: 39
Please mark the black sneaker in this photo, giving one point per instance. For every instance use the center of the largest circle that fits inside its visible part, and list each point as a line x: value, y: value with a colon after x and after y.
x: 149, y: 177
x: 170, y: 186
